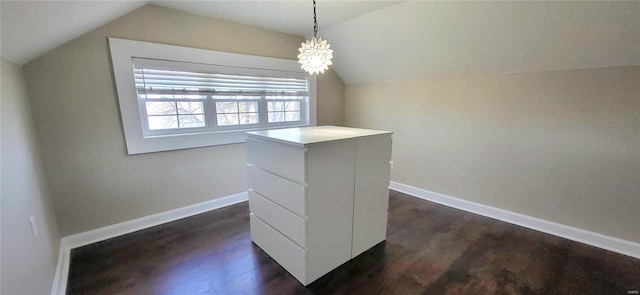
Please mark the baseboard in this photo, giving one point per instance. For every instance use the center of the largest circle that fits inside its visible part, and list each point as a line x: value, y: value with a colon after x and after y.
x: 579, y: 235
x: 111, y: 231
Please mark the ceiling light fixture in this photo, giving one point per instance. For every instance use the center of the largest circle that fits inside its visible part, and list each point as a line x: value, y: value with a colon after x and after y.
x: 315, y: 55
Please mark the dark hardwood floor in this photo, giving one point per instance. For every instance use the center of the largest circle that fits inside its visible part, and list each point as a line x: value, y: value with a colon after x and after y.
x: 430, y: 249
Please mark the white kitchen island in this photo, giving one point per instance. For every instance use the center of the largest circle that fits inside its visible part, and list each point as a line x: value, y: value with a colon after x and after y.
x: 318, y: 196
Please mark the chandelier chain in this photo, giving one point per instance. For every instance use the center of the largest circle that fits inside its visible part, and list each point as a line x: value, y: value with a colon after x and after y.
x: 315, y: 20
x: 315, y: 54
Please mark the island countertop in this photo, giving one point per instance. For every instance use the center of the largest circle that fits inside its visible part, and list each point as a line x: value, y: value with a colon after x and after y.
x: 313, y: 135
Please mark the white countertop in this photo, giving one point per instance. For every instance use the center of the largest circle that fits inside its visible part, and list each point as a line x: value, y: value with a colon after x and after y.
x: 313, y: 135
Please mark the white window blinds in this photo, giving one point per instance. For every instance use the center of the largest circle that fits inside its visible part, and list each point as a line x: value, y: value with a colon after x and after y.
x: 170, y: 80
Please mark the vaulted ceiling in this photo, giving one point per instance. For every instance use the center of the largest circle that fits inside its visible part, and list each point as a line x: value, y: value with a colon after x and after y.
x: 381, y: 40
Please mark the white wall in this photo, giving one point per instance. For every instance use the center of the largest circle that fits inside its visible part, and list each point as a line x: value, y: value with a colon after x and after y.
x: 559, y: 145
x: 28, y: 263
x: 93, y: 181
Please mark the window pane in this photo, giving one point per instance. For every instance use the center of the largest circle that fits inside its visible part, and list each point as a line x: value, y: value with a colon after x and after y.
x: 276, y: 117
x: 273, y: 106
x: 223, y: 107
x: 191, y: 121
x: 292, y: 116
x: 227, y: 119
x: 190, y: 107
x: 292, y: 106
x: 248, y: 106
x: 161, y: 108
x: 248, y: 118
x: 162, y: 122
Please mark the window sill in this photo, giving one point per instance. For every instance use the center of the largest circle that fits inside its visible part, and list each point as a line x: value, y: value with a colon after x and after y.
x: 160, y: 143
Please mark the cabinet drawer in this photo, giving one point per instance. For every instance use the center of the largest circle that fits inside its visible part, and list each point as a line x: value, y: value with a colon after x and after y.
x: 283, y: 192
x: 278, y: 158
x: 281, y: 219
x: 281, y: 249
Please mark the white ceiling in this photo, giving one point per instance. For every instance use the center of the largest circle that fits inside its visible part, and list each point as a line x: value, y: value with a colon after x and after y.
x: 381, y: 40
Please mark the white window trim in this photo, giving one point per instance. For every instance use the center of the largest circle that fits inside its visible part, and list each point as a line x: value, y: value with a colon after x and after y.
x: 122, y: 52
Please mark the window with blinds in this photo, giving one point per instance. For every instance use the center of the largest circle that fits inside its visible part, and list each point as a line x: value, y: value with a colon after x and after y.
x: 177, y: 97
x: 174, y: 97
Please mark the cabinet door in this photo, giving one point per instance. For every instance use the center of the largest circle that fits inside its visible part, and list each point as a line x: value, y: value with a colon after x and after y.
x: 371, y: 199
x: 329, y: 206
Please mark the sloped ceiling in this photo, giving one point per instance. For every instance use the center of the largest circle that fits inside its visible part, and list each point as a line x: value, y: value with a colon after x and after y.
x: 293, y: 17
x: 438, y: 39
x: 31, y: 28
x: 381, y: 40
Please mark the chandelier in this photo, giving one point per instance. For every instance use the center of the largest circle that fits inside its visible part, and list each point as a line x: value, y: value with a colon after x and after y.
x: 315, y: 55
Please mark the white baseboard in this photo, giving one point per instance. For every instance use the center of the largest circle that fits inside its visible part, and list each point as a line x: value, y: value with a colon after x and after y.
x: 579, y: 235
x: 111, y: 231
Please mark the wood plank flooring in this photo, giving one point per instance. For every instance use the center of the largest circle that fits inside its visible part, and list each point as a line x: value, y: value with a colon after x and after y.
x: 430, y: 249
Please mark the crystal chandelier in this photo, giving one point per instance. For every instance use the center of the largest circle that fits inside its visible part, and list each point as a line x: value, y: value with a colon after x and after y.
x: 315, y: 55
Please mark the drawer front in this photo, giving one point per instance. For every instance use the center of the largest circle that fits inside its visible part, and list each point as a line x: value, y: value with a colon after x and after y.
x: 283, y: 192
x: 282, y: 159
x: 281, y: 219
x: 281, y: 249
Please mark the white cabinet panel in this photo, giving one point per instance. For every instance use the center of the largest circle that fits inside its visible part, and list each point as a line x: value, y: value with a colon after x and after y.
x: 329, y: 206
x: 280, y: 159
x: 283, y: 192
x: 371, y: 198
x: 280, y: 248
x: 283, y: 220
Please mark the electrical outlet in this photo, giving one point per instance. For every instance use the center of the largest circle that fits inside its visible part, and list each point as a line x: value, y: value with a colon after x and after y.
x: 34, y: 229
x: 391, y: 164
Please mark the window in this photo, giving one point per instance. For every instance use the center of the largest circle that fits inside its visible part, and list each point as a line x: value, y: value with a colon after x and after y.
x: 175, y: 97
x: 182, y: 98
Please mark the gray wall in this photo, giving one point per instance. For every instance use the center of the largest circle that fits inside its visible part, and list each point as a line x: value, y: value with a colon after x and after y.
x: 562, y: 146
x: 28, y: 263
x: 330, y: 99
x: 93, y: 181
